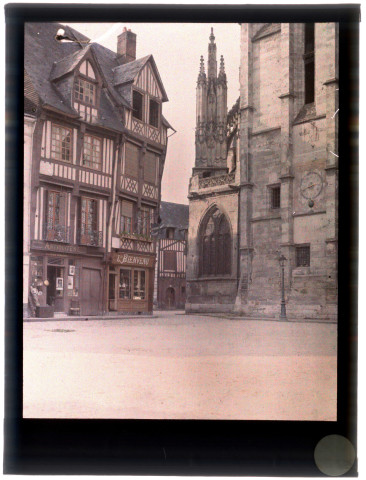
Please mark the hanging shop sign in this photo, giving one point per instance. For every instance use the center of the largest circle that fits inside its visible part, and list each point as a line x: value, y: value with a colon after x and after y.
x: 132, y: 260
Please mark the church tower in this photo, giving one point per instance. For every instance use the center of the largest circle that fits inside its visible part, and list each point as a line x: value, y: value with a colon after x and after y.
x: 211, y: 116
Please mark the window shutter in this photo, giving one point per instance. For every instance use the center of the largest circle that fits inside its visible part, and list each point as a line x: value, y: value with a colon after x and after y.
x: 132, y: 160
x: 150, y: 167
x: 170, y: 260
x: 127, y: 208
x: 63, y: 209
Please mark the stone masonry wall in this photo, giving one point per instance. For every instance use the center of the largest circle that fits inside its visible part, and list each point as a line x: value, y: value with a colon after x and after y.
x: 207, y: 294
x: 269, y: 77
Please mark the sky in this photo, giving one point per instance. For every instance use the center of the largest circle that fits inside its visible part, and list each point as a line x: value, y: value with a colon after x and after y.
x: 177, y: 48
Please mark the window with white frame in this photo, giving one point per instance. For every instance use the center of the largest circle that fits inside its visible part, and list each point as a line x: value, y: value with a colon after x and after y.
x: 92, y: 154
x: 61, y: 143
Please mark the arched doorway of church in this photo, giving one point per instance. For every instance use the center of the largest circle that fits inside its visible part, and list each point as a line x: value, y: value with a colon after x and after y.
x: 170, y: 298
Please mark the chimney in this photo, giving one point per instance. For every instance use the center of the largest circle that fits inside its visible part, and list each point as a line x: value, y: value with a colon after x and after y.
x: 126, y: 46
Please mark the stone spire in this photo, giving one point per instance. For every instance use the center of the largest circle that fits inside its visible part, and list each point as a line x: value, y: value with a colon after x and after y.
x: 212, y: 63
x: 222, y: 74
x: 202, y: 74
x: 211, y: 115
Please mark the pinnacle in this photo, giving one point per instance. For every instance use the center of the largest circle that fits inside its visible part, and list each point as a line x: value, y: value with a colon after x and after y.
x: 202, y: 65
x: 212, y: 36
x: 222, y: 64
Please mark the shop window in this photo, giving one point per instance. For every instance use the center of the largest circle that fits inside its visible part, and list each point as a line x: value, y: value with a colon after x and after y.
x: 73, y: 280
x: 137, y: 105
x: 139, y: 285
x: 303, y: 256
x: 309, y: 62
x: 126, y: 217
x: 92, y: 154
x: 61, y: 143
x: 183, y: 290
x: 36, y: 268
x: 215, y: 245
x: 125, y: 284
x: 275, y: 197
x: 170, y: 260
x: 154, y: 113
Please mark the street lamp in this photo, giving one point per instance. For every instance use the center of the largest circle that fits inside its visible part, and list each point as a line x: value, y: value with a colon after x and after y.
x: 282, y: 259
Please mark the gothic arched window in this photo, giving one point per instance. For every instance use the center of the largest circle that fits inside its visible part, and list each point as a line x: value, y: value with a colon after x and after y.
x: 215, y: 245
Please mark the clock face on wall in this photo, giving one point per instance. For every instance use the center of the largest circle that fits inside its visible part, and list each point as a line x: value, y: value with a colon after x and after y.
x: 311, y: 185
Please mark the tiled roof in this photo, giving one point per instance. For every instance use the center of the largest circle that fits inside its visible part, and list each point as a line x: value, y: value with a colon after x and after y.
x: 67, y: 64
x: 47, y: 60
x: 174, y: 215
x: 126, y: 73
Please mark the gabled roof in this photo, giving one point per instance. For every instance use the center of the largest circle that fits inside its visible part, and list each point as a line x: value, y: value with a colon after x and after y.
x: 68, y: 64
x: 166, y: 123
x: 127, y: 73
x: 174, y: 215
x: 47, y: 61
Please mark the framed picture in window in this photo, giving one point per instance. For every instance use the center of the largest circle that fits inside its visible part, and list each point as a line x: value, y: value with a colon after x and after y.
x: 71, y: 269
x: 59, y: 283
x: 70, y: 282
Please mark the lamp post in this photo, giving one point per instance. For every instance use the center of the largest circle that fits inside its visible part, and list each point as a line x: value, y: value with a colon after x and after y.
x: 282, y: 259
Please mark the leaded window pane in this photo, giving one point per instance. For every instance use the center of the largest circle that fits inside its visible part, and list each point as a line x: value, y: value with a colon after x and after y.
x: 92, y: 152
x: 84, y: 91
x: 61, y: 143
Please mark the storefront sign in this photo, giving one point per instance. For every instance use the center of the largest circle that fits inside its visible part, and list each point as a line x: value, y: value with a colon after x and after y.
x: 132, y: 260
x: 57, y: 247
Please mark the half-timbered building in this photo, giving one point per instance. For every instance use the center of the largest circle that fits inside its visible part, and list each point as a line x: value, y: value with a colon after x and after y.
x: 96, y: 159
x: 172, y: 256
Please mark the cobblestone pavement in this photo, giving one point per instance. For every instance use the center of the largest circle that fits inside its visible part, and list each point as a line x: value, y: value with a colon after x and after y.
x: 180, y: 366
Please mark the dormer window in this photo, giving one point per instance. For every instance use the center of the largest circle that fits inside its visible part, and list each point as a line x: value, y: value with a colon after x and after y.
x: 86, y: 96
x: 137, y: 105
x: 154, y: 114
x: 84, y: 91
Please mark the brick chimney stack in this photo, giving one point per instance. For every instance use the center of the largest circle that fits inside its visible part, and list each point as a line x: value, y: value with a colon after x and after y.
x: 126, y: 46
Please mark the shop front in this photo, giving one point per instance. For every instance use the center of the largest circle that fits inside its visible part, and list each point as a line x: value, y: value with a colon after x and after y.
x: 130, y: 282
x: 65, y: 279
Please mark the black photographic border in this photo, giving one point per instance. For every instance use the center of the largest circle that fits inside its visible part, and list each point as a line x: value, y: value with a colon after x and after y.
x: 179, y: 447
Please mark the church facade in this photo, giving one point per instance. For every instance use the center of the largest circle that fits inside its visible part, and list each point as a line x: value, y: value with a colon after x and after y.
x: 276, y: 191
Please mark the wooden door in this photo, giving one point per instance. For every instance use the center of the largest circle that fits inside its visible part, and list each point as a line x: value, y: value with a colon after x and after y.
x: 91, y: 292
x: 170, y: 298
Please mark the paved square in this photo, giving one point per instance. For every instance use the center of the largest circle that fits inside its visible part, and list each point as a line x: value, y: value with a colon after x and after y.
x: 180, y: 367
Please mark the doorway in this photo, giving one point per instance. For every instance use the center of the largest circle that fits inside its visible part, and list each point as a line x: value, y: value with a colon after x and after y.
x: 170, y: 298
x: 91, y: 291
x: 55, y: 289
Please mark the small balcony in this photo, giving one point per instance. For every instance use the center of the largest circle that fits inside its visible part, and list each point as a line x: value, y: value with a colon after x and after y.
x: 91, y: 238
x: 56, y: 233
x: 215, y: 181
